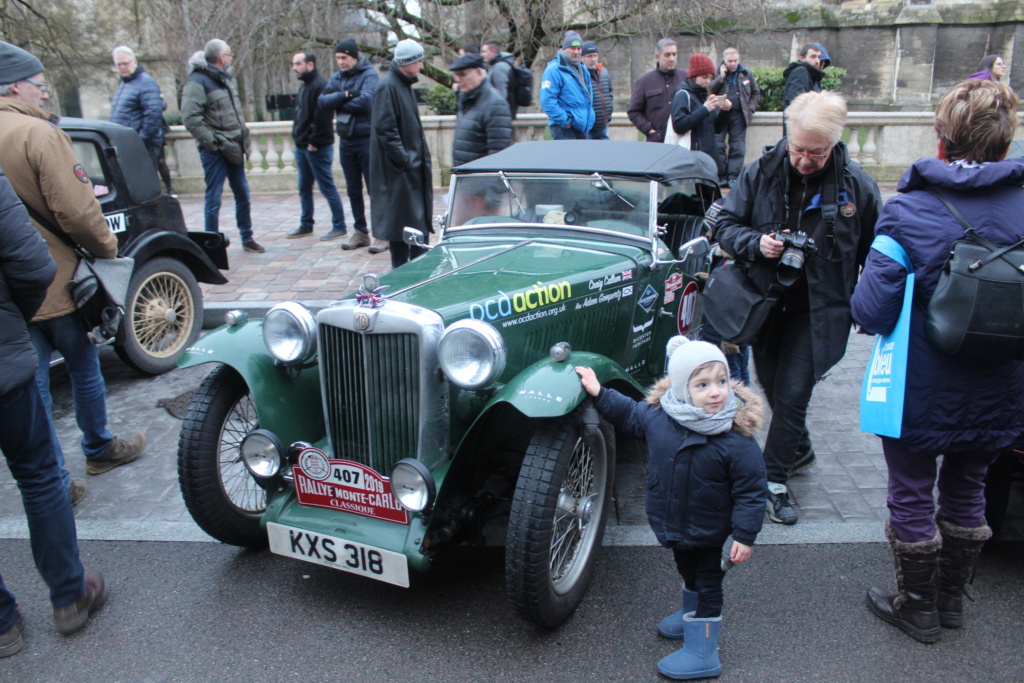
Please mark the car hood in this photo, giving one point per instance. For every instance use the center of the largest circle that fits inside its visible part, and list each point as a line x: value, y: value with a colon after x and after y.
x: 492, y: 280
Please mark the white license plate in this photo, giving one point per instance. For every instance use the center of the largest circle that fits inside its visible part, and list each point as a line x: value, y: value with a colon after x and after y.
x: 339, y: 553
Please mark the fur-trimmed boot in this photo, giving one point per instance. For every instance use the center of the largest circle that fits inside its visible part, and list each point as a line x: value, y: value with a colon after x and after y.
x: 699, y: 657
x: 912, y: 607
x: 957, y: 561
x: 672, y: 625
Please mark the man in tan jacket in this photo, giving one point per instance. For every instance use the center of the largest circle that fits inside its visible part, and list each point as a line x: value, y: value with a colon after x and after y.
x: 40, y: 163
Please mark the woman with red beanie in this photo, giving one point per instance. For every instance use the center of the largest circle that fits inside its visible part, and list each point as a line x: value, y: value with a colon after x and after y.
x: 694, y: 110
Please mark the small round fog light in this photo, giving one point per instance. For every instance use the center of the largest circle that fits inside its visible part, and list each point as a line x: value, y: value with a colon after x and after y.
x: 412, y: 485
x: 261, y: 452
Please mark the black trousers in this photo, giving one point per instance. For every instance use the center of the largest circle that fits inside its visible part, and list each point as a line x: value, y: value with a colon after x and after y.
x: 785, y: 370
x: 701, y: 569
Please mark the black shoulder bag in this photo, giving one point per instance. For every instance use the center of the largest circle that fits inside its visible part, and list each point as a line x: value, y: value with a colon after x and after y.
x: 978, y: 305
x: 99, y: 287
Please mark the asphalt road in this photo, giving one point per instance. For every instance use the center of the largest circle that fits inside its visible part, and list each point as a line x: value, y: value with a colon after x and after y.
x: 202, y: 611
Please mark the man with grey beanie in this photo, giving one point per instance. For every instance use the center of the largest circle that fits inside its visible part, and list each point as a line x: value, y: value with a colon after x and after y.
x: 400, y: 183
x: 565, y: 92
x: 41, y: 165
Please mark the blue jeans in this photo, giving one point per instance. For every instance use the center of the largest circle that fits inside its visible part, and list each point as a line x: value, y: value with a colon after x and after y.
x: 596, y: 134
x: 31, y: 456
x: 355, y: 162
x: 217, y: 169
x: 563, y: 133
x: 68, y: 335
x: 318, y: 165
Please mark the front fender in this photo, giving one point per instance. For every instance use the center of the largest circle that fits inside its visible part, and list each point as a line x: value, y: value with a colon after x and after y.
x: 287, y: 405
x: 182, y: 247
x: 550, y: 388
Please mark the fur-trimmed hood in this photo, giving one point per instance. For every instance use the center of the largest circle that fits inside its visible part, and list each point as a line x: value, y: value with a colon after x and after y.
x: 749, y: 414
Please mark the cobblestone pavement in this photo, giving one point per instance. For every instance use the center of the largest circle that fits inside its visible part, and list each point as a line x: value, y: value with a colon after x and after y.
x: 841, y: 498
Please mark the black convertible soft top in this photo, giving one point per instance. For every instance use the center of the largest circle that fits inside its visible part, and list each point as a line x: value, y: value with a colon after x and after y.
x: 660, y: 162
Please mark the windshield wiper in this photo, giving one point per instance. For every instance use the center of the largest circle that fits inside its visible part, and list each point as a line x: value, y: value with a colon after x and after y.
x: 600, y: 179
x: 501, y: 174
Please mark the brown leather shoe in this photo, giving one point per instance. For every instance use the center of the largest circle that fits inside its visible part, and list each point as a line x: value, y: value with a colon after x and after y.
x: 253, y: 246
x: 77, y: 491
x: 379, y: 246
x: 11, y: 642
x: 73, y: 617
x: 358, y: 239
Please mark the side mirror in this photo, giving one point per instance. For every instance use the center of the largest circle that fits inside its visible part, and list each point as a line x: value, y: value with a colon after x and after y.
x: 414, y: 237
x: 698, y: 247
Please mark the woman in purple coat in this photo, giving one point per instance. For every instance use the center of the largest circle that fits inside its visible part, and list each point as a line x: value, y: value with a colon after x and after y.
x: 992, y: 68
x: 968, y: 410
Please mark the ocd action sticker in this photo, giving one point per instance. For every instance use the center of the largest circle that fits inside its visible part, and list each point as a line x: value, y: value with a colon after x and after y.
x: 346, y: 486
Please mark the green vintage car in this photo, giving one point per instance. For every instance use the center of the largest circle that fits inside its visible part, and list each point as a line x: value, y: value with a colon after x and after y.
x: 440, y: 402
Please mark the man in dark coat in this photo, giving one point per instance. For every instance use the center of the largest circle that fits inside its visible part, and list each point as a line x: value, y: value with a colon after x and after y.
x: 805, y: 183
x: 349, y: 95
x: 314, y: 150
x: 803, y: 75
x: 650, y: 103
x: 27, y: 437
x: 484, y: 125
x: 401, y: 184
x: 139, y: 105
x: 500, y: 75
x: 735, y: 81
x: 600, y: 90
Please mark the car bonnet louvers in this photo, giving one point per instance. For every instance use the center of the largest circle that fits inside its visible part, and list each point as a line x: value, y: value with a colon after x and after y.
x: 382, y: 392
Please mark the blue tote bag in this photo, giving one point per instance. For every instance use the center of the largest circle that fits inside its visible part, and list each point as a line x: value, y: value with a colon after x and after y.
x: 881, y: 396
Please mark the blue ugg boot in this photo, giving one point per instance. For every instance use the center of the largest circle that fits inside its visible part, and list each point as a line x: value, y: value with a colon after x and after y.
x: 699, y: 657
x: 672, y: 625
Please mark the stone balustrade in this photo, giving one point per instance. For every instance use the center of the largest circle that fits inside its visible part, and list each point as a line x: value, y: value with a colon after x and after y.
x: 885, y: 143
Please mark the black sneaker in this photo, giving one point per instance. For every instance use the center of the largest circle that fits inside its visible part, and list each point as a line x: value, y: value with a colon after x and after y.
x: 253, y: 246
x: 300, y: 231
x: 119, y: 452
x: 804, y: 463
x: 780, y: 510
x: 334, y: 234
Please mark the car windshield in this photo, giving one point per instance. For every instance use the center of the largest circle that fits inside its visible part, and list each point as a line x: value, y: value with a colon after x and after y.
x: 594, y: 201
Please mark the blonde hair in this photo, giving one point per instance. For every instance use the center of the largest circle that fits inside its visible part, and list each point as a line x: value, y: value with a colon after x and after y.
x: 976, y: 120
x: 818, y: 112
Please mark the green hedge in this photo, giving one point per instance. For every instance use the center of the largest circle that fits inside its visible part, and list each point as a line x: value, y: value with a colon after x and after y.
x: 441, y: 99
x: 772, y: 84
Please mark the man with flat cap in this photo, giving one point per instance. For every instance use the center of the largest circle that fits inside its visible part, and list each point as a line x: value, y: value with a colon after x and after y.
x: 484, y: 124
x: 401, y: 184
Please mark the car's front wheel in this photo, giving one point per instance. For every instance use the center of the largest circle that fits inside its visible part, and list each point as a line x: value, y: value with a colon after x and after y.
x: 220, y: 494
x: 163, y: 315
x: 557, y: 520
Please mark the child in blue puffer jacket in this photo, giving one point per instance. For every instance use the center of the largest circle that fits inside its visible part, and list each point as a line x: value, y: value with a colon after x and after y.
x: 706, y: 480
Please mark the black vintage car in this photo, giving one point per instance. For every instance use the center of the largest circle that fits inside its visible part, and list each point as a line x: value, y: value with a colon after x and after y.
x: 164, y: 309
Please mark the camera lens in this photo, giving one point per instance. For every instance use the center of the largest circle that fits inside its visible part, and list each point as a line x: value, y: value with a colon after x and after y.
x: 792, y: 258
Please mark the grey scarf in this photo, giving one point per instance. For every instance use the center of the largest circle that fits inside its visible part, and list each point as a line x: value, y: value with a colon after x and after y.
x: 695, y: 419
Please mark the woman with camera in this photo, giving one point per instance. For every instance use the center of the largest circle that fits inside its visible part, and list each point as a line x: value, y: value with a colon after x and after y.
x: 804, y: 189
x: 966, y: 409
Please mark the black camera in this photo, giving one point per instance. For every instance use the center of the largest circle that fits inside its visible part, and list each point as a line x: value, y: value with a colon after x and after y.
x: 797, y: 246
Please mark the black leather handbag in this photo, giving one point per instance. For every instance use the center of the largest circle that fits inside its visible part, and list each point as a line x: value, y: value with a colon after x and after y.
x: 978, y: 305
x: 736, y: 308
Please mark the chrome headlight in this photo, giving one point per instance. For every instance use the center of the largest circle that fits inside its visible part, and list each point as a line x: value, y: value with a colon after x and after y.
x: 262, y: 453
x: 412, y: 485
x: 289, y: 331
x: 472, y: 354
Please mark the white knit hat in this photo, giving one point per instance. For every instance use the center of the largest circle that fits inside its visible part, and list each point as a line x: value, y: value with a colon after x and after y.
x: 407, y: 52
x: 684, y: 357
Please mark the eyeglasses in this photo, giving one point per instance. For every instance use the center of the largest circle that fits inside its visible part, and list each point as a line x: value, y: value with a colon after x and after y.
x: 808, y: 155
x: 42, y: 86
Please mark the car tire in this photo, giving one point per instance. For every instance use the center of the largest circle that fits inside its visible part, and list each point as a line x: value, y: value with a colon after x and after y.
x: 220, y: 494
x: 163, y: 316
x: 998, y: 483
x: 565, y: 481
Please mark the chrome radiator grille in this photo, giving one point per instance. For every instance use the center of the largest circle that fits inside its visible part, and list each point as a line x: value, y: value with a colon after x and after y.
x: 371, y: 385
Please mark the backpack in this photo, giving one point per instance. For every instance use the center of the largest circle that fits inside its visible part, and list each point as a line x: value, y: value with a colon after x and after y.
x: 520, y: 84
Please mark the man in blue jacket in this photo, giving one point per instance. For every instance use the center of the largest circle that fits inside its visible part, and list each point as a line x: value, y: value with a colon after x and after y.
x: 139, y: 105
x: 565, y: 92
x: 349, y: 94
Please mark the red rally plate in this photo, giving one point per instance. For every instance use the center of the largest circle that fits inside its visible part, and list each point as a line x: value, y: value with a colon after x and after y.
x: 686, y: 316
x: 346, y: 486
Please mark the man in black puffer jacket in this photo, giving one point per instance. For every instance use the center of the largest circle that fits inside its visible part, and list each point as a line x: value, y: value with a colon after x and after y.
x: 600, y: 89
x: 26, y: 439
x: 484, y: 123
